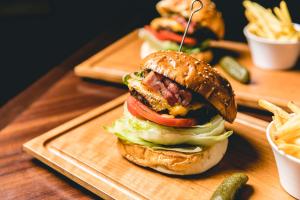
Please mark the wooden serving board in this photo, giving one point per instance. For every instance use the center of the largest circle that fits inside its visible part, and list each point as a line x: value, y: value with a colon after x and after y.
x: 83, y: 151
x: 123, y: 56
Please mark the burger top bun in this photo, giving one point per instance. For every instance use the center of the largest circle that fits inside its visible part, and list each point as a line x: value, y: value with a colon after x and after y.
x: 208, y: 17
x: 197, y: 76
x: 147, y: 49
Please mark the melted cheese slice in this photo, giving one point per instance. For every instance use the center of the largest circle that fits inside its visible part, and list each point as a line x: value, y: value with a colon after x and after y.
x: 158, y: 103
x: 166, y: 23
x: 182, y: 111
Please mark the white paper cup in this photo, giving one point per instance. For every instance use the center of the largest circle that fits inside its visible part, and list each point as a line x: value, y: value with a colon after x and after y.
x: 272, y: 54
x: 288, y: 167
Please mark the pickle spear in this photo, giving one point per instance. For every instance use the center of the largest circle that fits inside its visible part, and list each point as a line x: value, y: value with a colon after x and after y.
x: 228, y: 188
x: 235, y: 70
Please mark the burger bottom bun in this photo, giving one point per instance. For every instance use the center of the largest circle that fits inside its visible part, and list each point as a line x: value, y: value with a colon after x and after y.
x: 147, y: 49
x: 171, y: 162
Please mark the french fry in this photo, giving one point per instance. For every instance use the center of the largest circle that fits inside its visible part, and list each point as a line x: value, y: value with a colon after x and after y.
x: 294, y: 108
x: 292, y: 137
x: 279, y: 141
x: 289, y: 126
x: 289, y: 148
x: 273, y: 108
x: 273, y: 25
x: 250, y: 17
x: 297, y: 155
x: 277, y: 120
x: 279, y: 14
x: 266, y: 21
x: 286, y: 133
x: 297, y: 140
x: 255, y: 29
x: 285, y: 12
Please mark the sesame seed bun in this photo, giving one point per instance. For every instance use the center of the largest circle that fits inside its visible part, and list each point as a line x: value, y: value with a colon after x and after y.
x: 208, y: 16
x: 147, y: 49
x: 197, y: 76
x: 171, y: 162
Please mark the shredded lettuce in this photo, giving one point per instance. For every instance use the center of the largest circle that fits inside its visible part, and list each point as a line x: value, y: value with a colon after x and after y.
x: 147, y: 133
x: 132, y: 138
x: 169, y: 45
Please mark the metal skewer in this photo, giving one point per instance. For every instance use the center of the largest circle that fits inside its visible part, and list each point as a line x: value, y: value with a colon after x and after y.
x: 189, y: 22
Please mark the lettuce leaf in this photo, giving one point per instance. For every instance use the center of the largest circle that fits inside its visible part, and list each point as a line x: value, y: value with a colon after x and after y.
x: 147, y: 133
x: 132, y: 138
x: 139, y: 75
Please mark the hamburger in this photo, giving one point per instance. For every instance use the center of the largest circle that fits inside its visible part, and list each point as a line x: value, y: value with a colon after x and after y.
x: 165, y: 32
x: 173, y: 120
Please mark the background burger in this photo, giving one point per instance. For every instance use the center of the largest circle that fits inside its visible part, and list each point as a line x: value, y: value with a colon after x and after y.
x: 174, y: 118
x: 165, y: 32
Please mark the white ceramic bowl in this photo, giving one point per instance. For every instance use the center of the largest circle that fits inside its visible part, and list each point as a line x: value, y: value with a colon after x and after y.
x: 288, y: 167
x: 272, y: 54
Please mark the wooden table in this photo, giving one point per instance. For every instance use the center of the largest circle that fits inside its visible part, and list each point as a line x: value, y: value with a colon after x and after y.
x: 54, y: 99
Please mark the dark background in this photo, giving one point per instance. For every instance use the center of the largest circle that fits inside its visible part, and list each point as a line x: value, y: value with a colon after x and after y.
x: 36, y: 35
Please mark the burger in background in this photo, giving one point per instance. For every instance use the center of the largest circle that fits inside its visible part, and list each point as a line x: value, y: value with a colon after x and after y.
x: 165, y: 32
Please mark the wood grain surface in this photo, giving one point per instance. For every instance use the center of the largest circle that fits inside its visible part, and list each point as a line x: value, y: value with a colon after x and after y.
x: 82, y: 150
x: 56, y: 98
x: 124, y: 56
x: 20, y: 176
x: 52, y: 100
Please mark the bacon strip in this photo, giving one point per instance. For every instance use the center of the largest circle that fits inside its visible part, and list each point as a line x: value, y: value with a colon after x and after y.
x: 170, y: 90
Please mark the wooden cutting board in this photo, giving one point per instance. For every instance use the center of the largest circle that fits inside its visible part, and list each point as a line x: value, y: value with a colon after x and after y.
x: 123, y: 56
x: 83, y: 151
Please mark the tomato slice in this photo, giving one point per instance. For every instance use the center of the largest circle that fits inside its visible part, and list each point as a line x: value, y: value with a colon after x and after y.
x: 169, y: 35
x: 138, y: 109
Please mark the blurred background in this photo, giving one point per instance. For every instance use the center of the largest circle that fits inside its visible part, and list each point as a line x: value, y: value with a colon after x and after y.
x: 37, y: 35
